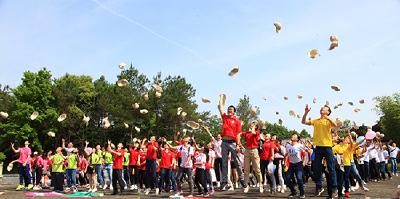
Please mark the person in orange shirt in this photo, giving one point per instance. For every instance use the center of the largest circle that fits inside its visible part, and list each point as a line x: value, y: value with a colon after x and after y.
x: 322, y: 139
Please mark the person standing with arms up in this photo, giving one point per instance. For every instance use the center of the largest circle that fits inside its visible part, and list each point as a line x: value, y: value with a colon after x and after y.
x: 322, y: 139
x: 231, y: 129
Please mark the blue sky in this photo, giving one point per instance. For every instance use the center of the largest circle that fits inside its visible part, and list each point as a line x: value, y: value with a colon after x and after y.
x: 202, y: 40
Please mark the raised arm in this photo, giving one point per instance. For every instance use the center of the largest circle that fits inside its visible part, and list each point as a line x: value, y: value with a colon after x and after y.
x: 221, y: 107
x: 112, y: 151
x: 63, y: 143
x: 86, y: 146
x: 304, y: 119
x: 209, y: 133
x: 12, y: 147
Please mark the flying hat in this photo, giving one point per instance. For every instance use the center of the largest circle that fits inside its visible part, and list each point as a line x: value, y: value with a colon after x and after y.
x: 135, y: 105
x: 314, y: 100
x: 158, y: 88
x: 26, y: 142
x: 280, y: 121
x: 333, y: 45
x: 357, y: 110
x: 350, y: 103
x: 183, y: 114
x: 278, y: 27
x: 327, y: 103
x: 105, y: 123
x: 158, y: 94
x: 233, y: 71
x: 146, y: 96
x: 362, y: 101
x: 193, y: 124
x: 121, y: 66
x: 200, y: 120
x: 205, y: 100
x: 313, y: 53
x: 86, y: 119
x: 277, y: 113
x: 51, y: 134
x: 179, y: 111
x: 3, y: 115
x: 126, y: 125
x: 265, y: 98
x: 299, y: 96
x: 335, y: 87
x: 122, y: 82
x: 62, y: 117
x: 285, y: 98
x: 34, y: 115
x: 253, y: 111
x: 292, y: 113
x: 144, y: 111
x: 137, y: 129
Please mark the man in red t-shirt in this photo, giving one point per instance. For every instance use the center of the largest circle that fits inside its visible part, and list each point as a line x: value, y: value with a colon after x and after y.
x: 267, y: 156
x: 251, y: 157
x: 231, y: 128
x: 117, y: 167
x: 151, y: 165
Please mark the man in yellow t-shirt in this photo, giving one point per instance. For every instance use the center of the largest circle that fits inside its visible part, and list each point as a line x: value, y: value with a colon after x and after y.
x: 322, y: 139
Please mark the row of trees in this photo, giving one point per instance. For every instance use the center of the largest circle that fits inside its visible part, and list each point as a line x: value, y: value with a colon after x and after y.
x: 81, y: 95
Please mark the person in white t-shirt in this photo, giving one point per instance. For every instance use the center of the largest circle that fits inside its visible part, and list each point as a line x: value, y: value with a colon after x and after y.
x: 381, y: 161
x: 200, y: 161
x: 293, y: 152
x: 386, y: 157
x: 373, y: 161
x: 186, y: 167
x: 394, y: 151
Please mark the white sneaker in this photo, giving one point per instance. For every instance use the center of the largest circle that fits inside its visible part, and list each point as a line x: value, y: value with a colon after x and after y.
x: 364, y: 188
x: 364, y: 183
x: 357, y: 186
x: 94, y: 190
x: 231, y: 188
x: 352, y: 189
x: 147, y: 192
x: 236, y: 185
x: 157, y: 191
x: 105, y: 187
x: 75, y: 190
x: 35, y: 188
x: 67, y: 189
x: 219, y: 184
x: 278, y: 188
x: 245, y: 190
x: 397, y: 174
x: 111, y: 187
x: 261, y: 189
x: 132, y: 187
x: 126, y: 187
x: 90, y: 190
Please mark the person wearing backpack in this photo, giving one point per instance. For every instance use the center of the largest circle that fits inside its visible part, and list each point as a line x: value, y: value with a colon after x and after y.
x: 251, y: 157
x: 186, y: 166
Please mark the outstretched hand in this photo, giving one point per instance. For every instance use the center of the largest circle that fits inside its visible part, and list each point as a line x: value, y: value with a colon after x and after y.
x: 307, y: 109
x: 86, y: 142
x: 109, y: 142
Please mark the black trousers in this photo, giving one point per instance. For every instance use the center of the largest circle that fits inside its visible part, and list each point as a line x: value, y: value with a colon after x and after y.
x: 38, y: 175
x: 200, y: 178
x: 218, y: 168
x: 373, y: 167
x: 135, y: 177
x: 126, y: 175
x: 141, y: 175
x: 58, y: 181
x: 117, y: 177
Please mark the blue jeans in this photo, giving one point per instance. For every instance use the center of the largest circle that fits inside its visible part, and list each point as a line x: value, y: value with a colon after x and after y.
x: 164, y: 178
x: 99, y: 174
x: 172, y: 176
x: 355, y: 173
x: 296, y: 169
x: 24, y: 174
x: 226, y: 148
x: 107, y: 174
x: 394, y: 165
x: 321, y: 152
x: 151, y: 173
x: 71, y: 177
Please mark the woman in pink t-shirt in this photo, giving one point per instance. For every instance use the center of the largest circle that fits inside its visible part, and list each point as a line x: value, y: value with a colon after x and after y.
x: 24, y: 166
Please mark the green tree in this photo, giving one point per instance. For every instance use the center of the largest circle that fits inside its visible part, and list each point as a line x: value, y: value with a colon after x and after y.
x: 243, y: 111
x: 388, y: 108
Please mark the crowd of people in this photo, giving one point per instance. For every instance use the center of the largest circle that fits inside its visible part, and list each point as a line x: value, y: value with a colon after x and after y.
x: 235, y: 159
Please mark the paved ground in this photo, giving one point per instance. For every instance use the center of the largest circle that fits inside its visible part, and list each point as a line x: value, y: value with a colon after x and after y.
x: 384, y: 189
